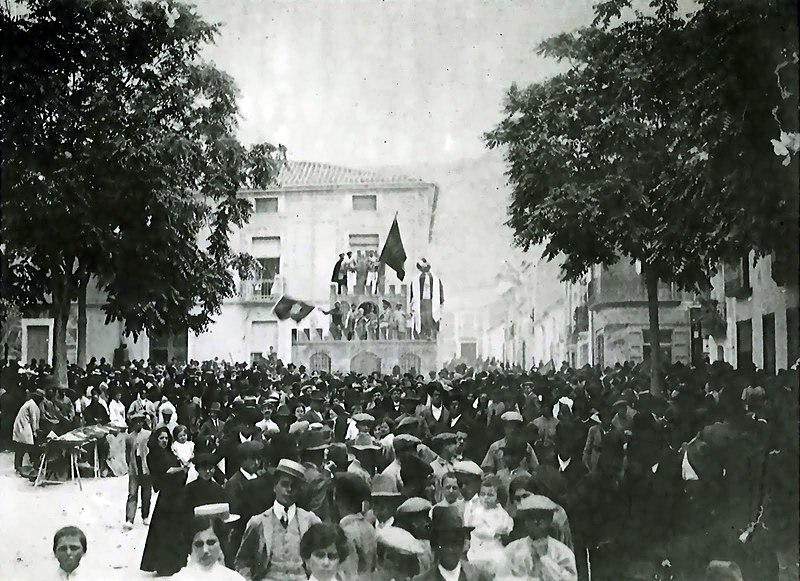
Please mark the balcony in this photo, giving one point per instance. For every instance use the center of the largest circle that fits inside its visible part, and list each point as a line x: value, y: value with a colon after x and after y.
x: 581, y: 319
x: 266, y: 290
x: 737, y: 280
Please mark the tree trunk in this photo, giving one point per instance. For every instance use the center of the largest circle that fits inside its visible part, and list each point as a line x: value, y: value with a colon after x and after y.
x: 651, y: 278
x: 60, y: 313
x: 81, y: 356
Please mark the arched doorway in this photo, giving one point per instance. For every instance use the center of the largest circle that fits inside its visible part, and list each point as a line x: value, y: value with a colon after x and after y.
x: 365, y: 363
x: 320, y: 362
x: 410, y: 363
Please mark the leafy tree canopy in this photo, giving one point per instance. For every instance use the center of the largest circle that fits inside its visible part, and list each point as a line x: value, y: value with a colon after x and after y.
x: 120, y: 159
x: 657, y: 143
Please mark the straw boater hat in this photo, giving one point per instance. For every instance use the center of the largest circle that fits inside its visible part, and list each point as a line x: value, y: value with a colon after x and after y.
x: 220, y: 510
x: 291, y: 468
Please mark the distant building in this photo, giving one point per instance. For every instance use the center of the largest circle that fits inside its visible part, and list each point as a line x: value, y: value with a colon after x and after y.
x: 757, y: 315
x: 601, y: 320
x: 618, y: 321
x: 296, y: 232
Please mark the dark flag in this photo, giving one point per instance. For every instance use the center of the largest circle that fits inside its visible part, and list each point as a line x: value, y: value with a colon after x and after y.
x: 290, y: 308
x: 393, y: 253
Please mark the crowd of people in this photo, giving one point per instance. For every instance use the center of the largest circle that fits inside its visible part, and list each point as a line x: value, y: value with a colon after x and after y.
x: 272, y: 472
x: 382, y: 316
x: 367, y: 322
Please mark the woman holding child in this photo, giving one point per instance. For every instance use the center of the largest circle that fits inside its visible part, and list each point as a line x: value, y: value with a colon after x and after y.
x: 165, y: 548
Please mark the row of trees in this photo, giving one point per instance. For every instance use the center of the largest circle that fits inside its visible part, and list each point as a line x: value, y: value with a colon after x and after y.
x: 120, y: 165
x: 671, y: 139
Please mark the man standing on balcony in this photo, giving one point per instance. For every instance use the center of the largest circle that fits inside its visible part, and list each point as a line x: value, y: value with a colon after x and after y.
x: 427, y: 298
x: 372, y: 272
x: 350, y: 269
x: 339, y: 277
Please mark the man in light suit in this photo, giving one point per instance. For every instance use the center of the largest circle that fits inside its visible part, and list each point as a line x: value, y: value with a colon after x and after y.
x: 270, y: 549
x: 138, y: 472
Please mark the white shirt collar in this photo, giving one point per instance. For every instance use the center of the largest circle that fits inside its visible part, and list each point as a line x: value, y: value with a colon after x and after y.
x: 436, y: 412
x: 279, y: 511
x: 243, y: 439
x: 454, y: 420
x: 76, y: 574
x: 450, y: 575
x: 247, y: 475
x: 387, y: 523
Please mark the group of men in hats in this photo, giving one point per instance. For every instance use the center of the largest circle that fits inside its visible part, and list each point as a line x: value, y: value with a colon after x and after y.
x: 594, y: 442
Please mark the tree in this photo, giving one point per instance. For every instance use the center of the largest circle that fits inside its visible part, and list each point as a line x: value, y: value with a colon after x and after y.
x: 120, y: 162
x: 636, y: 150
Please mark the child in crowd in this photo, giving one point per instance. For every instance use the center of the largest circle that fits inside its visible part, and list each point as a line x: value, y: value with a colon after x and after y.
x: 491, y: 522
x: 181, y: 446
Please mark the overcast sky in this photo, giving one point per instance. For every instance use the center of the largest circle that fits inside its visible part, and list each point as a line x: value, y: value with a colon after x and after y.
x: 371, y: 82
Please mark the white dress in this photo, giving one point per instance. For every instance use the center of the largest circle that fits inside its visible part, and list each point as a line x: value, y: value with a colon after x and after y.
x: 216, y: 572
x: 486, y: 548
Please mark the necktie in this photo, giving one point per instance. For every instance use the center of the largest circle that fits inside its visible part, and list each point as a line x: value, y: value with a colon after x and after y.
x: 284, y: 519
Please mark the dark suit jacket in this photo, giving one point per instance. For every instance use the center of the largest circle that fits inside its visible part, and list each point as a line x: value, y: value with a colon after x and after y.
x: 468, y: 573
x: 208, y: 434
x: 436, y: 426
x: 229, y: 445
x: 312, y: 417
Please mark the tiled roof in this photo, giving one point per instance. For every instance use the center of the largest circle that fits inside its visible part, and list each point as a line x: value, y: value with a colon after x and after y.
x: 309, y: 173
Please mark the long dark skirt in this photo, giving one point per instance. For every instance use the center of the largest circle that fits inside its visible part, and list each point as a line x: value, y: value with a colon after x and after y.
x: 165, y: 548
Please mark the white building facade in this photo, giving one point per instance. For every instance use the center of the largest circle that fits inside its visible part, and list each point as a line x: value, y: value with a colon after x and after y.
x: 296, y: 232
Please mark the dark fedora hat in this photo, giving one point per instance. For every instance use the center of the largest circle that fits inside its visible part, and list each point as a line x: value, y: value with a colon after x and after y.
x: 315, y: 440
x: 447, y: 519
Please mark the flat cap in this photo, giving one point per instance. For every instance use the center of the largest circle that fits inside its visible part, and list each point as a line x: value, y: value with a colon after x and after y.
x: 400, y: 540
x: 536, y: 503
x: 511, y: 416
x: 467, y: 467
x: 414, y: 505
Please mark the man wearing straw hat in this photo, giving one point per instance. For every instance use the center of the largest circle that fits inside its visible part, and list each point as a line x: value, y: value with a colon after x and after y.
x: 538, y: 555
x: 270, y: 548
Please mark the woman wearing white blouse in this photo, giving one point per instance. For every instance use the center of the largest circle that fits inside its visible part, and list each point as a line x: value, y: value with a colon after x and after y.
x: 207, y: 560
x: 116, y: 411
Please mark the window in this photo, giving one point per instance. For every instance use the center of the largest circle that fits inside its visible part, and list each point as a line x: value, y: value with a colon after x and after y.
x: 263, y: 335
x: 365, y: 203
x: 266, y: 205
x: 768, y: 339
x: 361, y: 243
x: 744, y: 344
x: 665, y: 344
x: 600, y: 350
x: 267, y: 252
x: 320, y: 362
x: 469, y: 351
x: 410, y: 363
x: 792, y: 335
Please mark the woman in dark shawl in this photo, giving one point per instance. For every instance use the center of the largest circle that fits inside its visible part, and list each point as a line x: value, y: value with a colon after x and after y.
x: 165, y: 548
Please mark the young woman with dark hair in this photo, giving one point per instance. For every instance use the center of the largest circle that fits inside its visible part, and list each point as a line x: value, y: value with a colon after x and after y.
x: 165, y: 548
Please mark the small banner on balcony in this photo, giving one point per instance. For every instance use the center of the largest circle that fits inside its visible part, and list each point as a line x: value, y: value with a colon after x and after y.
x: 393, y: 254
x: 288, y: 308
